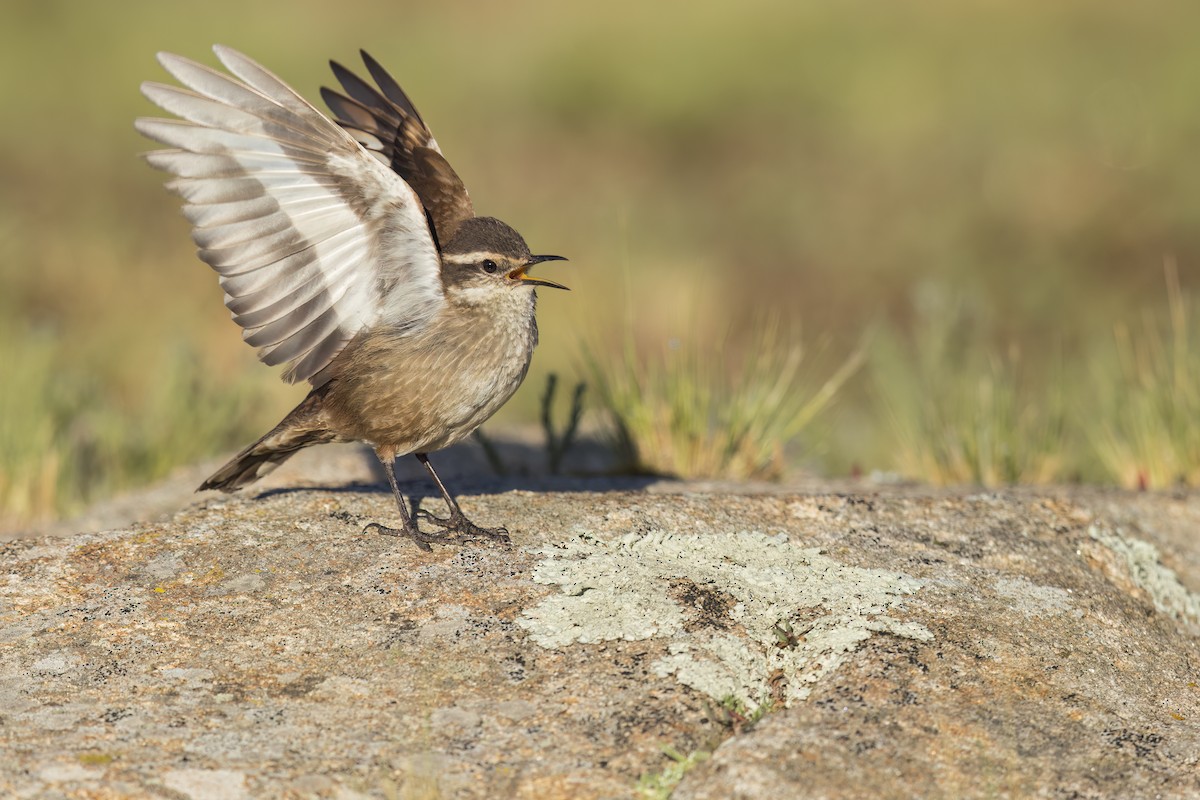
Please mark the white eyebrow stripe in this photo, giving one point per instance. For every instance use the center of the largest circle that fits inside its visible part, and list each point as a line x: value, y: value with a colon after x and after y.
x: 474, y: 258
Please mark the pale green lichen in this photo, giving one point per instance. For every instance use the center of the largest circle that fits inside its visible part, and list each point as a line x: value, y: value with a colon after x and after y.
x: 622, y: 589
x: 1147, y: 571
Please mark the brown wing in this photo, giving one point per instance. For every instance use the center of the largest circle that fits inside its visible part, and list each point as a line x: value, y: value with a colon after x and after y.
x: 386, y: 123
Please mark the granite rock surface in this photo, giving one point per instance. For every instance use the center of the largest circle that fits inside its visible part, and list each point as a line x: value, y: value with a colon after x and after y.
x: 901, y: 642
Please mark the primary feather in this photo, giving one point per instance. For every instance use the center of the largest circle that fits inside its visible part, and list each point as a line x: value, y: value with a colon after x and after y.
x: 385, y: 122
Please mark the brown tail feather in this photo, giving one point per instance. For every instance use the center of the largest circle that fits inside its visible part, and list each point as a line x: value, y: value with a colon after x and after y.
x: 301, y: 428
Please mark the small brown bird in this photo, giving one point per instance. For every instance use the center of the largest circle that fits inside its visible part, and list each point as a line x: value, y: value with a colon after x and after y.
x: 350, y: 251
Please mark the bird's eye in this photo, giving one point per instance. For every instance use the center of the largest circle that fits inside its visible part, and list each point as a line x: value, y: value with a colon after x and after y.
x: 489, y: 266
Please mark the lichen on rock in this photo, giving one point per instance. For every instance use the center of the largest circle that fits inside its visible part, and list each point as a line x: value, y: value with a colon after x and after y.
x: 1147, y: 572
x: 790, y: 617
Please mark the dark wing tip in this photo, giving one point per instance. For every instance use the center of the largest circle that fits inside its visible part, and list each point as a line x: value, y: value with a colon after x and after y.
x: 339, y: 70
x: 390, y: 86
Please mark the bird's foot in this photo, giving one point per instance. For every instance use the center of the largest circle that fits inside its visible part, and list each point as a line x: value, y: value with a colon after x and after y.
x: 459, y: 524
x: 420, y: 538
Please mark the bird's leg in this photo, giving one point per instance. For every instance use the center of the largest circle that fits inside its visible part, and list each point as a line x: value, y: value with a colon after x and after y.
x: 457, y: 521
x: 409, y: 529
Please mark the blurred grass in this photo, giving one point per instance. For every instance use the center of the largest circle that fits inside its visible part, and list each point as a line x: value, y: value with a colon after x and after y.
x: 61, y: 448
x: 962, y: 413
x: 838, y: 163
x: 696, y: 410
x: 1148, y: 431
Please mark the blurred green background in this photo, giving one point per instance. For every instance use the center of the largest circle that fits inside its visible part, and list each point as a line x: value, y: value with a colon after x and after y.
x: 996, y: 204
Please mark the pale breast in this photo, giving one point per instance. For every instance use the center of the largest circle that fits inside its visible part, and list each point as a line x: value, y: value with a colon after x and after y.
x: 425, y: 391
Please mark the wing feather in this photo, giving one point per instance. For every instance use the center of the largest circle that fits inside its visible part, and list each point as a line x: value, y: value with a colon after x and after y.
x: 350, y: 114
x: 315, y: 361
x: 385, y: 122
x: 207, y: 215
x: 277, y: 347
x: 387, y: 84
x: 312, y: 238
x: 258, y: 304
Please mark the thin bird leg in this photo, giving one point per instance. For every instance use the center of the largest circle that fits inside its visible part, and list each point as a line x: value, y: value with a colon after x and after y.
x: 457, y: 521
x: 409, y: 529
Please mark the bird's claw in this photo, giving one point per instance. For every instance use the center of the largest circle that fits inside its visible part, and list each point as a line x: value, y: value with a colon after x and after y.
x: 419, y: 537
x: 465, y: 528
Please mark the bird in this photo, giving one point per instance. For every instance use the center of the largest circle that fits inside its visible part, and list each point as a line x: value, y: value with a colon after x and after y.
x: 348, y: 250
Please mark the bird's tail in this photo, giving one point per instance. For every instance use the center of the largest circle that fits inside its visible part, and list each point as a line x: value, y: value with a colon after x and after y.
x: 301, y: 428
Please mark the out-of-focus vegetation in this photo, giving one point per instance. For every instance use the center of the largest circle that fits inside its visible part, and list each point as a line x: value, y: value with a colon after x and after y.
x: 961, y: 412
x: 705, y: 412
x: 992, y: 188
x: 1146, y: 398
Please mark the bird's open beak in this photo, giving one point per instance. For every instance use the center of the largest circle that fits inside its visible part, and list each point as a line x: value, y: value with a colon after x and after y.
x: 519, y: 274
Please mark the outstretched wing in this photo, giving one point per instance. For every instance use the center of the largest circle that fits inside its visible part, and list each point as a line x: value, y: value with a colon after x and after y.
x: 384, y: 121
x: 313, y: 239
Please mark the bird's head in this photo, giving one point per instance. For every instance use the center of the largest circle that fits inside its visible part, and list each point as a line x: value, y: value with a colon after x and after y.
x: 485, y: 256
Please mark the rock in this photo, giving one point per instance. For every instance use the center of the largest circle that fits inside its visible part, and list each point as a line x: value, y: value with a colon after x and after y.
x: 1063, y: 664
x: 894, y: 642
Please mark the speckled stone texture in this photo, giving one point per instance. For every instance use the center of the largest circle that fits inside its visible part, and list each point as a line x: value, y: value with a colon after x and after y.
x: 265, y: 647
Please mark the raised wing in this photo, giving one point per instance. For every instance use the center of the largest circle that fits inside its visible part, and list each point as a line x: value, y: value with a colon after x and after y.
x: 313, y: 239
x: 386, y: 123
